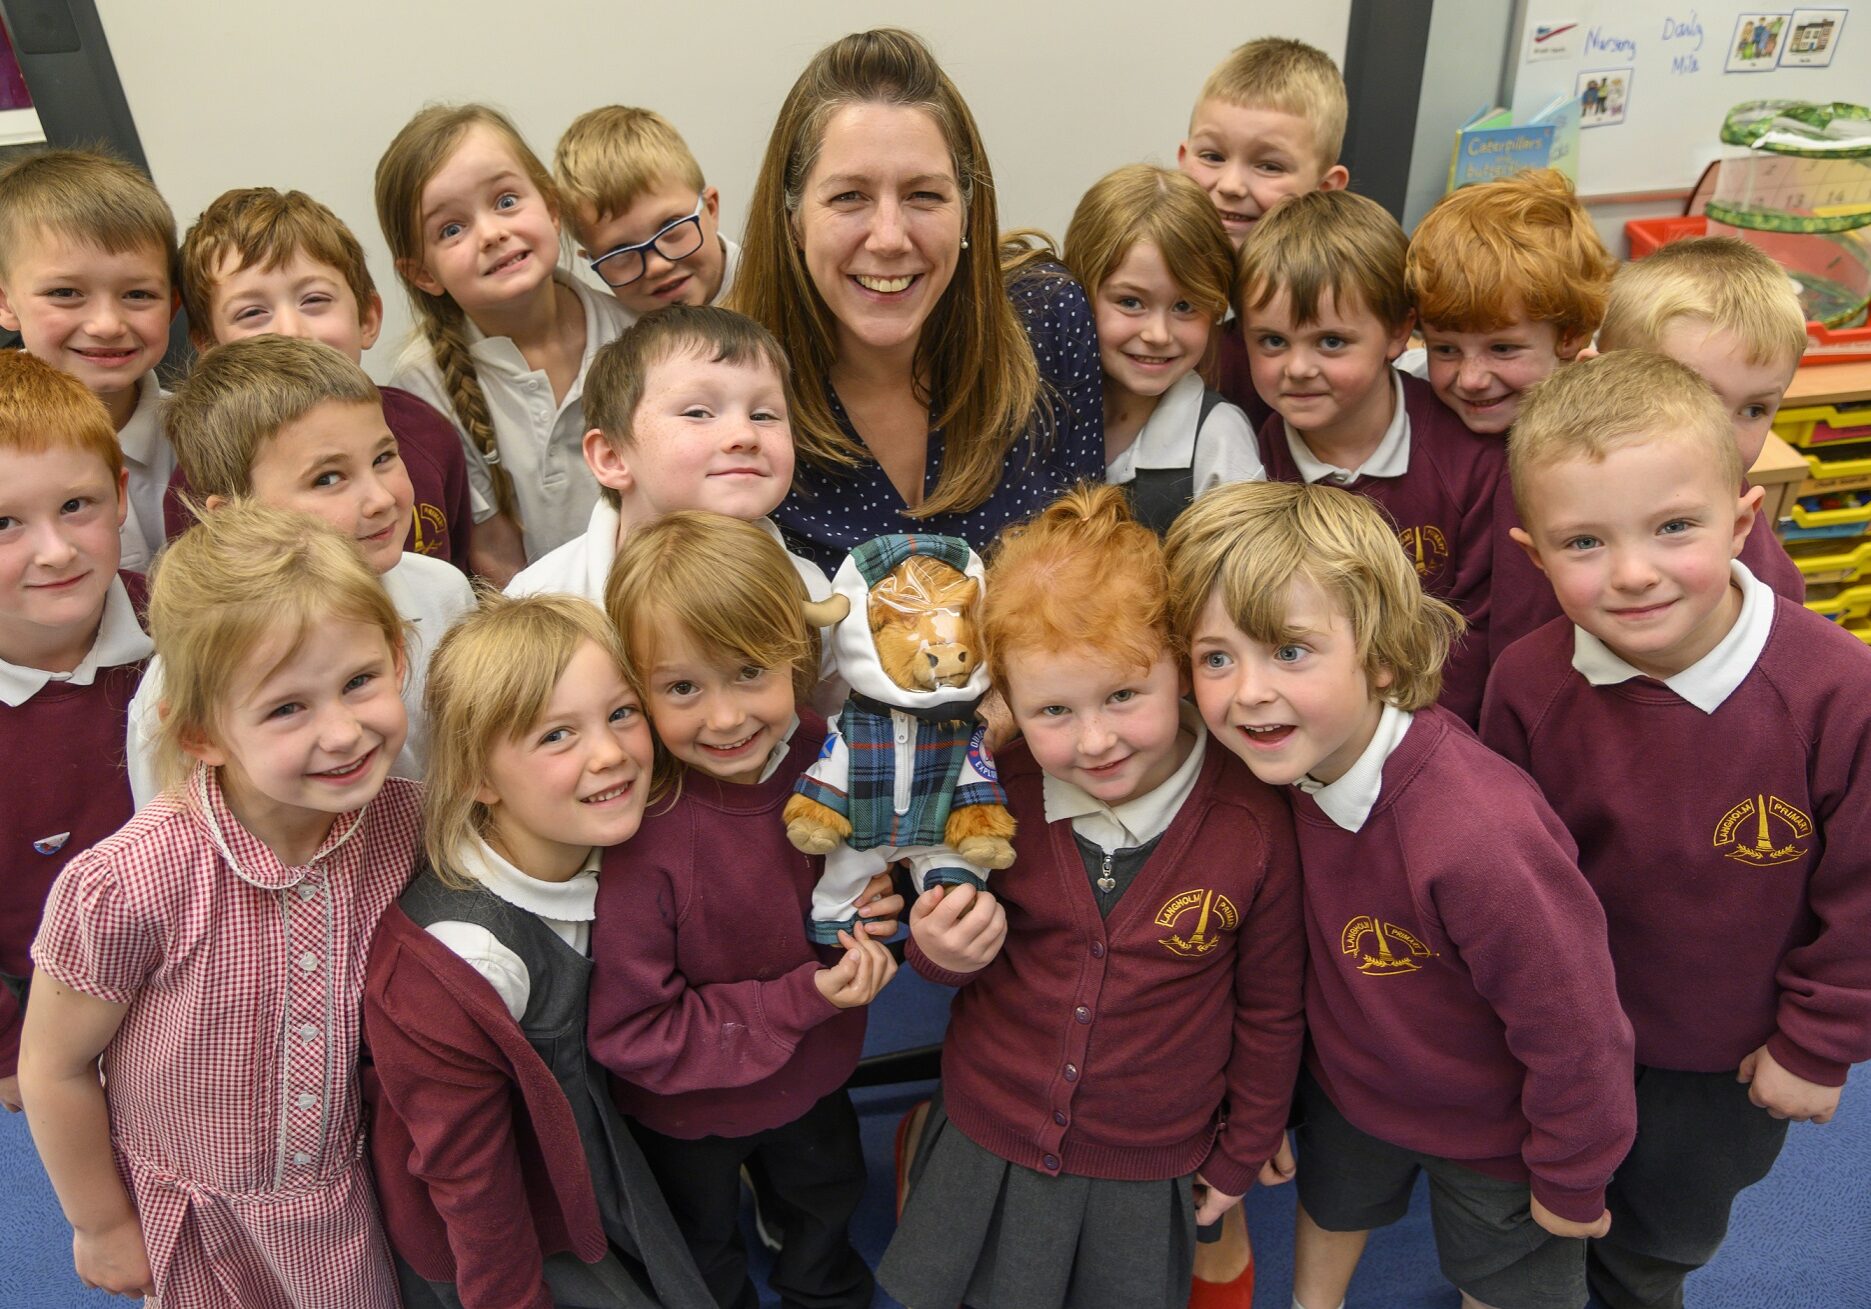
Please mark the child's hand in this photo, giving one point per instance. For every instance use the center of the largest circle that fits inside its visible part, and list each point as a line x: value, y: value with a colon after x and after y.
x: 1558, y: 1226
x: 1279, y: 1169
x: 9, y: 1094
x: 880, y: 907
x: 1784, y: 1095
x: 1211, y: 1204
x: 860, y: 975
x: 959, y: 928
x: 114, y: 1259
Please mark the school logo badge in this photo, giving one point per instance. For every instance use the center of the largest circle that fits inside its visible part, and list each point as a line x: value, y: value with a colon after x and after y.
x: 1214, y: 914
x: 1427, y: 547
x: 431, y: 529
x: 1397, y: 951
x: 1763, y: 830
x: 51, y: 844
x: 978, y: 756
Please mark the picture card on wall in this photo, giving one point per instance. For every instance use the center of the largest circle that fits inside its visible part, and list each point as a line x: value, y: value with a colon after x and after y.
x: 1757, y: 42
x: 1812, y: 38
x: 1604, y: 94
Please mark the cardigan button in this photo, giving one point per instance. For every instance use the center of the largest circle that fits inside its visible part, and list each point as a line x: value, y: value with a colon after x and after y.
x: 1082, y: 1013
x: 1052, y: 1163
x: 1097, y: 949
x: 1071, y: 1072
x: 1058, y: 1116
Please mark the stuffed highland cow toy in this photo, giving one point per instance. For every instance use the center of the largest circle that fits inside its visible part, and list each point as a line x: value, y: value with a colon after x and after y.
x: 905, y: 772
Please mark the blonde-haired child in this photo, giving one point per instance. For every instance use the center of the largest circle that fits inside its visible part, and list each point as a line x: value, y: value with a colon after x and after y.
x: 504, y: 1172
x: 642, y: 212
x: 1121, y: 1052
x: 1437, y: 1042
x: 728, y: 1035
x: 1150, y: 252
x: 209, y: 957
x: 504, y: 336
x: 1726, y: 309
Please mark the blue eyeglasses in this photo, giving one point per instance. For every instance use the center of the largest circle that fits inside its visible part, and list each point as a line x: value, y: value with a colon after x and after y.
x: 675, y: 240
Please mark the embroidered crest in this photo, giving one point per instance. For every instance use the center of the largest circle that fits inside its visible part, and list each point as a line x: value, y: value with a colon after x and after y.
x: 1427, y: 547
x: 431, y: 529
x: 1214, y: 914
x: 978, y: 755
x: 51, y: 844
x: 1761, y: 842
x: 1397, y: 951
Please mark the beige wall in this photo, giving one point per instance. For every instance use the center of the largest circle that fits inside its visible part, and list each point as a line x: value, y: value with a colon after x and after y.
x: 260, y: 92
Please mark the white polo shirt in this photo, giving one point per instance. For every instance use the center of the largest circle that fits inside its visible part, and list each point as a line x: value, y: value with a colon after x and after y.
x: 541, y: 441
x: 1222, y: 449
x: 151, y: 463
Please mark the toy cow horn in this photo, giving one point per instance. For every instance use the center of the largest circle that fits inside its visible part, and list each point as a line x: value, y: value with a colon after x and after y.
x: 828, y: 612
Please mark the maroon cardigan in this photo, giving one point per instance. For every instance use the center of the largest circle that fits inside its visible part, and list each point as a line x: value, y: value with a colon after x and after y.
x: 480, y: 1169
x: 1162, y: 1040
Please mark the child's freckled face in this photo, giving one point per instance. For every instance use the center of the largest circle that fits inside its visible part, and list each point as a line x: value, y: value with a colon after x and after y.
x: 1149, y: 334
x: 1302, y: 708
x: 706, y: 435
x: 1111, y: 731
x: 691, y: 279
x: 722, y: 717
x: 578, y: 776
x: 1750, y: 391
x: 102, y: 317
x: 1330, y: 377
x: 300, y: 298
x: 1637, y: 547
x: 1250, y: 159
x: 1483, y: 376
x: 340, y: 463
x: 60, y: 511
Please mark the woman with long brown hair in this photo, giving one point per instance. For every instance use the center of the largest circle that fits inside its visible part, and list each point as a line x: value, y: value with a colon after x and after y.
x: 947, y: 380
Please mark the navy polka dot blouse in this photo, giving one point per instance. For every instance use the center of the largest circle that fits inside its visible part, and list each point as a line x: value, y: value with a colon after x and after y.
x: 830, y: 511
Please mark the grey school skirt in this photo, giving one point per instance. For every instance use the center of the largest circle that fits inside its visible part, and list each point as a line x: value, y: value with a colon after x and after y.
x: 989, y: 1234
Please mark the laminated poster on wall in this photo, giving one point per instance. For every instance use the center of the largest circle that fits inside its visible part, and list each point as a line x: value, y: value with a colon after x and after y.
x: 1812, y: 38
x: 1604, y: 95
x: 1757, y: 42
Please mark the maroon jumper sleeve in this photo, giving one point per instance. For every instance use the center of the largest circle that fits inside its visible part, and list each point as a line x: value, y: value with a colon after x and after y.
x: 649, y: 1025
x: 1466, y: 674
x: 1823, y: 1024
x: 455, y: 1097
x: 1269, y: 1025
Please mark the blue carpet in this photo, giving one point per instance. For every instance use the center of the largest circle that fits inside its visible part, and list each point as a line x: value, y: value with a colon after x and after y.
x: 1800, y: 1240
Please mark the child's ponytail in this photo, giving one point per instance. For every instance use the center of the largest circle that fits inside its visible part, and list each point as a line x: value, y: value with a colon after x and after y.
x: 412, y: 159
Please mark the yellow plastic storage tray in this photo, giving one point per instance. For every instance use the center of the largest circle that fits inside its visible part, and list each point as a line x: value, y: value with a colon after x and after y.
x: 1847, y: 461
x: 1851, y: 604
x: 1828, y: 564
x: 1830, y: 424
x: 1840, y: 517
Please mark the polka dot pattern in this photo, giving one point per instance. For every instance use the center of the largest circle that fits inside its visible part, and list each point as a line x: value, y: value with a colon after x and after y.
x: 829, y: 512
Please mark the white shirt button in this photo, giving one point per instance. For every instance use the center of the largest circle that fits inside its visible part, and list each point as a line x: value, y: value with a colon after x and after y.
x: 308, y: 1032
x: 306, y: 1100
x: 301, y: 1158
x: 308, y: 962
x: 307, y: 890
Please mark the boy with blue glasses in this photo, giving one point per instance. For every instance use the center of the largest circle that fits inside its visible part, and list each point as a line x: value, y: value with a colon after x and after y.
x: 641, y: 211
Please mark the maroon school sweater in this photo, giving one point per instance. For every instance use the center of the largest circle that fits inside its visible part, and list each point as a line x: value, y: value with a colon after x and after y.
x: 702, y: 1000
x: 1231, y: 375
x: 438, y: 470
x: 1458, y: 988
x: 1729, y: 848
x: 1443, y: 508
x: 1523, y: 600
x: 66, y: 790
x: 1116, y: 1047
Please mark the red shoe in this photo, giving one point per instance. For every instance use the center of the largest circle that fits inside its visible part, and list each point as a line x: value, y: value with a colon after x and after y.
x: 919, y: 1115
x: 1238, y: 1294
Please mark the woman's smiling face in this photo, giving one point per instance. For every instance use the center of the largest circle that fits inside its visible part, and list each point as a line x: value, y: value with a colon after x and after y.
x: 880, y: 223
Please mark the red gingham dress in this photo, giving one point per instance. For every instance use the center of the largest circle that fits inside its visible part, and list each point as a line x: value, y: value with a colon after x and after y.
x: 232, y: 1083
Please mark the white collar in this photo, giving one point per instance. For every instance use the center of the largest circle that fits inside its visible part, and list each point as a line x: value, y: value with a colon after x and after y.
x: 499, y: 352
x: 1167, y: 437
x: 1709, y: 680
x: 730, y: 267
x: 1138, y: 820
x: 777, y: 755
x: 1390, y: 459
x: 141, y: 437
x: 1349, y: 801
x: 571, y: 901
x: 601, y: 551
x: 120, y: 640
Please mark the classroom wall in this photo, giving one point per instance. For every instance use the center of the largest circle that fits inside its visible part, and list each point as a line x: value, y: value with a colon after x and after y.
x: 308, y: 95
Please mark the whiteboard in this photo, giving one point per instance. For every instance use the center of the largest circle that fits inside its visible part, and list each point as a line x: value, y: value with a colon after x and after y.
x: 307, y: 94
x: 1675, y: 61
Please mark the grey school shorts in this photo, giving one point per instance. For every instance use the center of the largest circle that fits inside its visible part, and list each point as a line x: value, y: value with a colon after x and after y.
x: 1486, y: 1239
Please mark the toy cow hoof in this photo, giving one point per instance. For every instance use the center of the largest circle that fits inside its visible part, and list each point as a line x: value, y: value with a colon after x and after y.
x: 988, y: 851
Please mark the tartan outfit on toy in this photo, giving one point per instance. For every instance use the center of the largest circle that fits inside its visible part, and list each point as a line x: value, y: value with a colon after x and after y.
x: 896, y: 762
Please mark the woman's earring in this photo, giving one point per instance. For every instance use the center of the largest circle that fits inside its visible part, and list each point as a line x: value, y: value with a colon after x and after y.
x: 964, y: 243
